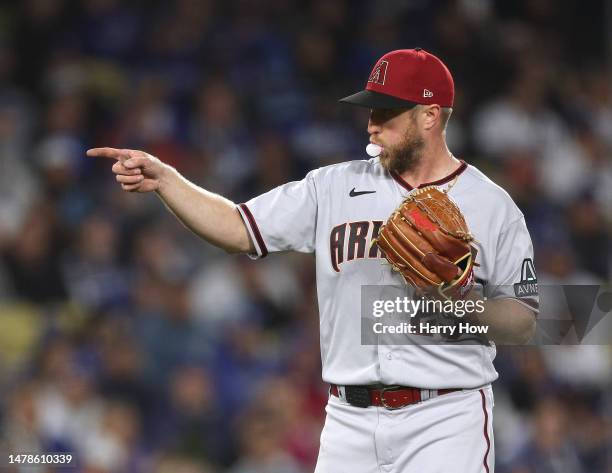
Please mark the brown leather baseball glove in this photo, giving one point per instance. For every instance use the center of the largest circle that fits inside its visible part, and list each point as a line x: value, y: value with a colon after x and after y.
x: 427, y: 240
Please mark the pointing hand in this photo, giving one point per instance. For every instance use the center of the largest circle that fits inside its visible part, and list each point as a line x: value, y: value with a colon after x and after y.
x: 135, y: 170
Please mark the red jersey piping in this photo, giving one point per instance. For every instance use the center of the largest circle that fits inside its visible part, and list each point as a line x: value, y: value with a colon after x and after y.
x: 400, y: 180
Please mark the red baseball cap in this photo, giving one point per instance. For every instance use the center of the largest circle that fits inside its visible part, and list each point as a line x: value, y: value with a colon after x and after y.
x: 405, y: 78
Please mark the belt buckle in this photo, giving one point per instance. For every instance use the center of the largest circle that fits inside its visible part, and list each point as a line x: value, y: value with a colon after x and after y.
x: 382, y: 397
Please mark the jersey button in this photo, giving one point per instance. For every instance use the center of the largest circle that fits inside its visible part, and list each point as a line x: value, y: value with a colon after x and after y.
x: 389, y: 356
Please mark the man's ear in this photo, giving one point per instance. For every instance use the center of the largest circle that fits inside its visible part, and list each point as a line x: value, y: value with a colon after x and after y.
x: 431, y: 116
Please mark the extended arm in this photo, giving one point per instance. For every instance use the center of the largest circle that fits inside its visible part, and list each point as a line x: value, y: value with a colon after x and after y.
x: 210, y: 216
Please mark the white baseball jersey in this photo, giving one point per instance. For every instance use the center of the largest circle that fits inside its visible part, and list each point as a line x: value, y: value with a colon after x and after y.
x: 336, y: 211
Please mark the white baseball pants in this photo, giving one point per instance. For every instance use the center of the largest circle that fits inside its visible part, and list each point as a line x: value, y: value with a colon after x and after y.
x: 449, y: 433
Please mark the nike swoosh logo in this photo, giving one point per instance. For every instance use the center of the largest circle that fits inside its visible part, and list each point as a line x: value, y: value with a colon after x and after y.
x: 354, y: 193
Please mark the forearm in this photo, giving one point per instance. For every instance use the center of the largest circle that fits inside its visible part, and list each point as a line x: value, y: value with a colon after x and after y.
x: 210, y: 216
x: 508, y: 321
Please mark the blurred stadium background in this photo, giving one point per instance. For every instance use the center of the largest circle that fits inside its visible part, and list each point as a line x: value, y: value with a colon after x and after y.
x: 127, y: 341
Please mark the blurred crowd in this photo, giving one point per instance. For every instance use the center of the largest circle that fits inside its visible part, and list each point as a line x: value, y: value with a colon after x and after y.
x: 129, y: 342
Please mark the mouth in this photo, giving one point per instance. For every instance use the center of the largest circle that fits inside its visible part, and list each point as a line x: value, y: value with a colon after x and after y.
x: 377, y: 143
x: 374, y: 149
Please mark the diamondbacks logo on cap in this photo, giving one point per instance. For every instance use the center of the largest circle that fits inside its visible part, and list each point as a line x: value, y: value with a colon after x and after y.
x: 379, y: 74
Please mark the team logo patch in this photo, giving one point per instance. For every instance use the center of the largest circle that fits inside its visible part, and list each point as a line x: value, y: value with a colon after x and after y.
x: 379, y: 74
x: 529, y: 281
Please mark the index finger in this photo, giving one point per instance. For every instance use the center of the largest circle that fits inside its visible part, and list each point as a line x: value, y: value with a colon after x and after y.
x: 111, y: 153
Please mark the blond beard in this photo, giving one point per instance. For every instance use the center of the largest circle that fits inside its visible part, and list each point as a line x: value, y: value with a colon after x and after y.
x: 403, y: 157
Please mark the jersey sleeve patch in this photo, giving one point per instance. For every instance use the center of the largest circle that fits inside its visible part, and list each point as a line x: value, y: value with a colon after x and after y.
x: 514, y: 274
x: 254, y: 233
x: 528, y: 285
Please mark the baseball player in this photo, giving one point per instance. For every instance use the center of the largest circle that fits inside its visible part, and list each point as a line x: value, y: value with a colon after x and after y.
x: 392, y: 408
